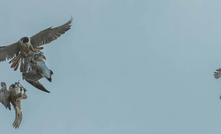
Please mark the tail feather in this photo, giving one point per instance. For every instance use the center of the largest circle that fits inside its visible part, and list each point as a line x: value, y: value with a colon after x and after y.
x: 16, y: 67
x: 18, y: 118
x: 15, y: 62
x: 13, y: 59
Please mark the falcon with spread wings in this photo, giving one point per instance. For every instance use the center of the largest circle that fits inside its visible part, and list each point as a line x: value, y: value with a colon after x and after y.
x: 21, y: 49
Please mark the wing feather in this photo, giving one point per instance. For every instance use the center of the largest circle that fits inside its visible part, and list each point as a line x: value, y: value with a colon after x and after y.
x: 38, y: 85
x: 31, y: 76
x: 49, y: 34
x: 8, y: 52
x: 4, y: 98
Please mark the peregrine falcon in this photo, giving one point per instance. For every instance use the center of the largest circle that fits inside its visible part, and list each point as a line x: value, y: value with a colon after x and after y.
x: 31, y: 44
x: 15, y: 97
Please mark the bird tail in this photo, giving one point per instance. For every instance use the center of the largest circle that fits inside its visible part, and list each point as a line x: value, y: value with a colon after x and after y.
x: 16, y: 67
x: 15, y: 62
x: 18, y: 118
x: 15, y: 58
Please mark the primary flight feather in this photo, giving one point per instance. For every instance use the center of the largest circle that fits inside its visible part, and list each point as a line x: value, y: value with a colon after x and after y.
x: 26, y: 45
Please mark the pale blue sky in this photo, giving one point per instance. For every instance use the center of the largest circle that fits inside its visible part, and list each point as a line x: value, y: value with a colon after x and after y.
x: 125, y: 67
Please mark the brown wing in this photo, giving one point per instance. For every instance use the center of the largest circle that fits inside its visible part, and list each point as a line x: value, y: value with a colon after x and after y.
x: 4, y: 98
x: 8, y: 52
x: 49, y: 34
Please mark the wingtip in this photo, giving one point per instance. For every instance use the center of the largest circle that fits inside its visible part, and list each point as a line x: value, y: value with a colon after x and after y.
x: 38, y: 85
x: 49, y: 79
x: 71, y: 19
x: 46, y: 91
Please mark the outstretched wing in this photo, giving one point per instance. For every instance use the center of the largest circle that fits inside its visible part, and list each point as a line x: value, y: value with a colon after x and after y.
x: 38, y: 85
x: 217, y: 74
x: 49, y: 34
x: 8, y: 52
x: 4, y: 98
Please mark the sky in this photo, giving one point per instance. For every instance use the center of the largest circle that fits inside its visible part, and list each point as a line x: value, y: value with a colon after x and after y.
x: 125, y: 66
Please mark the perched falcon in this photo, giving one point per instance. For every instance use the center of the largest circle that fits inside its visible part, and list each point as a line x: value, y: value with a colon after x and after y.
x: 25, y: 45
x: 14, y: 97
x: 35, y: 69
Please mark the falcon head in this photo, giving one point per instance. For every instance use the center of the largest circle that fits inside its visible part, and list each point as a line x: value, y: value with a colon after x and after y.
x: 12, y: 86
x: 3, y: 84
x: 25, y: 40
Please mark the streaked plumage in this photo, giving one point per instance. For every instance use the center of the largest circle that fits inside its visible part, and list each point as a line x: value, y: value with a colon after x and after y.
x: 14, y: 97
x: 26, y: 45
